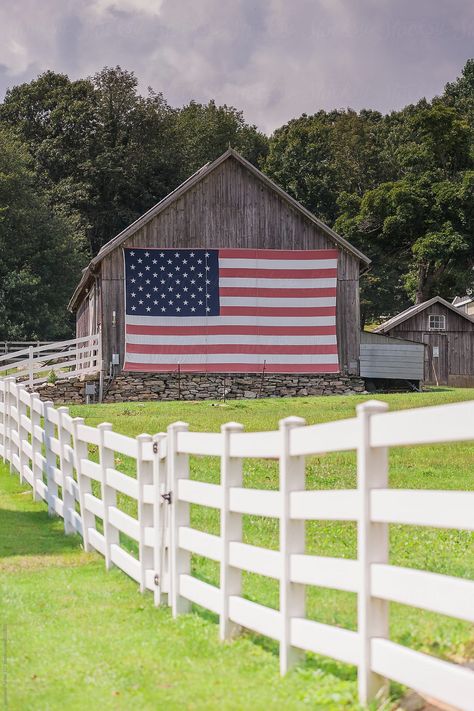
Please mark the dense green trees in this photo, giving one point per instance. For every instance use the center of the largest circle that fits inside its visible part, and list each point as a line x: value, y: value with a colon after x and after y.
x: 82, y: 159
x: 40, y: 251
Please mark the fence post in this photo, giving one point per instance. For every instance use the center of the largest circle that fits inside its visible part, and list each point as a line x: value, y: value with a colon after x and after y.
x: 231, y: 530
x: 30, y: 366
x: 8, y: 422
x: 50, y: 458
x: 178, y: 468
x: 22, y: 432
x: 292, y: 540
x: 161, y: 523
x: 372, y: 544
x: 145, y: 510
x: 109, y: 495
x: 81, y: 452
x: 65, y: 465
x: 2, y: 400
x: 36, y: 468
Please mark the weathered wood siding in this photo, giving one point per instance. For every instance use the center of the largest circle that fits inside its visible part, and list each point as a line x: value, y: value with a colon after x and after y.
x: 232, y: 208
x: 390, y: 358
x: 460, y: 343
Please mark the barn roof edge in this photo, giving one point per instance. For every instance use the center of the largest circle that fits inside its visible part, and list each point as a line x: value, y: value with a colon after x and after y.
x: 184, y: 187
x: 416, y: 309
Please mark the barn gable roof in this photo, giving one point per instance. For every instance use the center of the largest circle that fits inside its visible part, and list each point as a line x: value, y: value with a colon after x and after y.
x: 187, y: 185
x: 413, y: 310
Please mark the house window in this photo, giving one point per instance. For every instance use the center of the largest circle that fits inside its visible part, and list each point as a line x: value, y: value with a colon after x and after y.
x: 436, y: 322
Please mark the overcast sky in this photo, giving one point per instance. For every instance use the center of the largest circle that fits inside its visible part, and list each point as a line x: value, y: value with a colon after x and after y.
x: 275, y: 59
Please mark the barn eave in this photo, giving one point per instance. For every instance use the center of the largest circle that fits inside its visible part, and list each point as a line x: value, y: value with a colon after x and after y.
x: 187, y: 185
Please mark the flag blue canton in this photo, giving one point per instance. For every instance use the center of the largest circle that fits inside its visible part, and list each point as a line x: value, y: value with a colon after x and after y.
x: 182, y: 282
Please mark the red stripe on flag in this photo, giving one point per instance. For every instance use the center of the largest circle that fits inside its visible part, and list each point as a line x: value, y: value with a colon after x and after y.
x: 232, y: 367
x: 230, y: 348
x: 278, y: 254
x: 234, y: 330
x: 279, y: 293
x: 278, y: 273
x: 297, y: 311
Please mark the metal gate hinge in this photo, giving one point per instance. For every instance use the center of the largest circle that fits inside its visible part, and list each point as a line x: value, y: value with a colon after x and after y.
x: 167, y: 497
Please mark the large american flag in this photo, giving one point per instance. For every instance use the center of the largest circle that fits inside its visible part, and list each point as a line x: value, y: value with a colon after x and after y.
x: 231, y: 310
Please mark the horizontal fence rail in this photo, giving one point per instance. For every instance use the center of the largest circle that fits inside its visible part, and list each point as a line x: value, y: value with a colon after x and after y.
x: 73, y: 468
x: 35, y: 364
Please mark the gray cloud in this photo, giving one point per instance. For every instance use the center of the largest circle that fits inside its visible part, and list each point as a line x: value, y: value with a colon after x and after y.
x: 272, y: 58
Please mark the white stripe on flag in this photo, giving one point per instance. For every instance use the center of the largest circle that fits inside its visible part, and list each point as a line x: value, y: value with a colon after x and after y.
x: 277, y: 263
x: 325, y: 358
x: 270, y: 283
x: 263, y: 302
x: 232, y: 321
x: 231, y: 339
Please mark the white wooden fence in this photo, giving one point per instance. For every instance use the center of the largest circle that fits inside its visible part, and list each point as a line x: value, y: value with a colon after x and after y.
x: 52, y: 452
x: 34, y: 364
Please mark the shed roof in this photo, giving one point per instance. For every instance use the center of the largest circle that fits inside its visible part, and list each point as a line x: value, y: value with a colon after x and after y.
x: 413, y: 310
x: 187, y: 185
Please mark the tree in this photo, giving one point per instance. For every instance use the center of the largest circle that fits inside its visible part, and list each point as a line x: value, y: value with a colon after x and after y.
x: 205, y: 131
x: 41, y: 252
x: 316, y: 158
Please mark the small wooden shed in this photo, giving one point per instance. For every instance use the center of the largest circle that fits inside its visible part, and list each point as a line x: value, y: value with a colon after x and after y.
x: 448, y: 335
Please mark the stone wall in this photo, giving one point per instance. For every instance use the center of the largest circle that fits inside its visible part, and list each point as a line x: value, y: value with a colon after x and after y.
x: 134, y: 387
x: 196, y: 386
x: 67, y: 392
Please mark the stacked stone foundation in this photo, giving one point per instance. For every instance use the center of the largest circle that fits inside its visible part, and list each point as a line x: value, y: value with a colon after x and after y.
x: 137, y: 387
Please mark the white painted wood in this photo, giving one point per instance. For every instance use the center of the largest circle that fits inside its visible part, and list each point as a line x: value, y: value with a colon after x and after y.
x: 204, y: 544
x: 120, y: 443
x: 96, y: 540
x: 255, y: 617
x: 325, y: 505
x: 264, y: 445
x: 292, y: 540
x: 50, y: 456
x: 161, y: 520
x: 200, y: 492
x: 335, y: 436
x: 257, y: 502
x: 90, y: 469
x: 206, y: 443
x: 67, y: 470
x: 35, y: 446
x: 91, y: 435
x: 262, y: 561
x: 441, y: 509
x: 145, y: 510
x: 22, y: 432
x: 123, y: 522
x: 93, y: 505
x: 180, y: 559
x: 231, y: 528
x: 372, y: 546
x: 109, y: 495
x: 428, y: 591
x: 194, y: 590
x: 325, y: 639
x: 122, y: 482
x: 425, y: 425
x: 446, y: 682
x: 337, y: 573
x: 125, y: 562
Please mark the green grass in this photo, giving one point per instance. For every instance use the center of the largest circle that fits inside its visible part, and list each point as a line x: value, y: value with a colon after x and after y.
x: 82, y: 638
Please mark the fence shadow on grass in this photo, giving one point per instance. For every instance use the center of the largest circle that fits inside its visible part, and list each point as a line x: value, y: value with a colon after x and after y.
x: 33, y: 533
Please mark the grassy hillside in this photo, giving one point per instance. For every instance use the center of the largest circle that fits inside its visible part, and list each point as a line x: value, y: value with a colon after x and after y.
x: 78, y: 637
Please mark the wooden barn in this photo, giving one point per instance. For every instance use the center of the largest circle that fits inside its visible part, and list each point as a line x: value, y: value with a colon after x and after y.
x: 227, y: 204
x: 448, y: 336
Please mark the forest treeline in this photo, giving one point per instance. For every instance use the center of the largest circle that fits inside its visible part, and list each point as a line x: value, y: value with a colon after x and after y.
x: 80, y: 160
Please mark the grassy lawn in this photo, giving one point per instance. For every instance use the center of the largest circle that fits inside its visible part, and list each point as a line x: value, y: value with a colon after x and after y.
x: 79, y: 638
